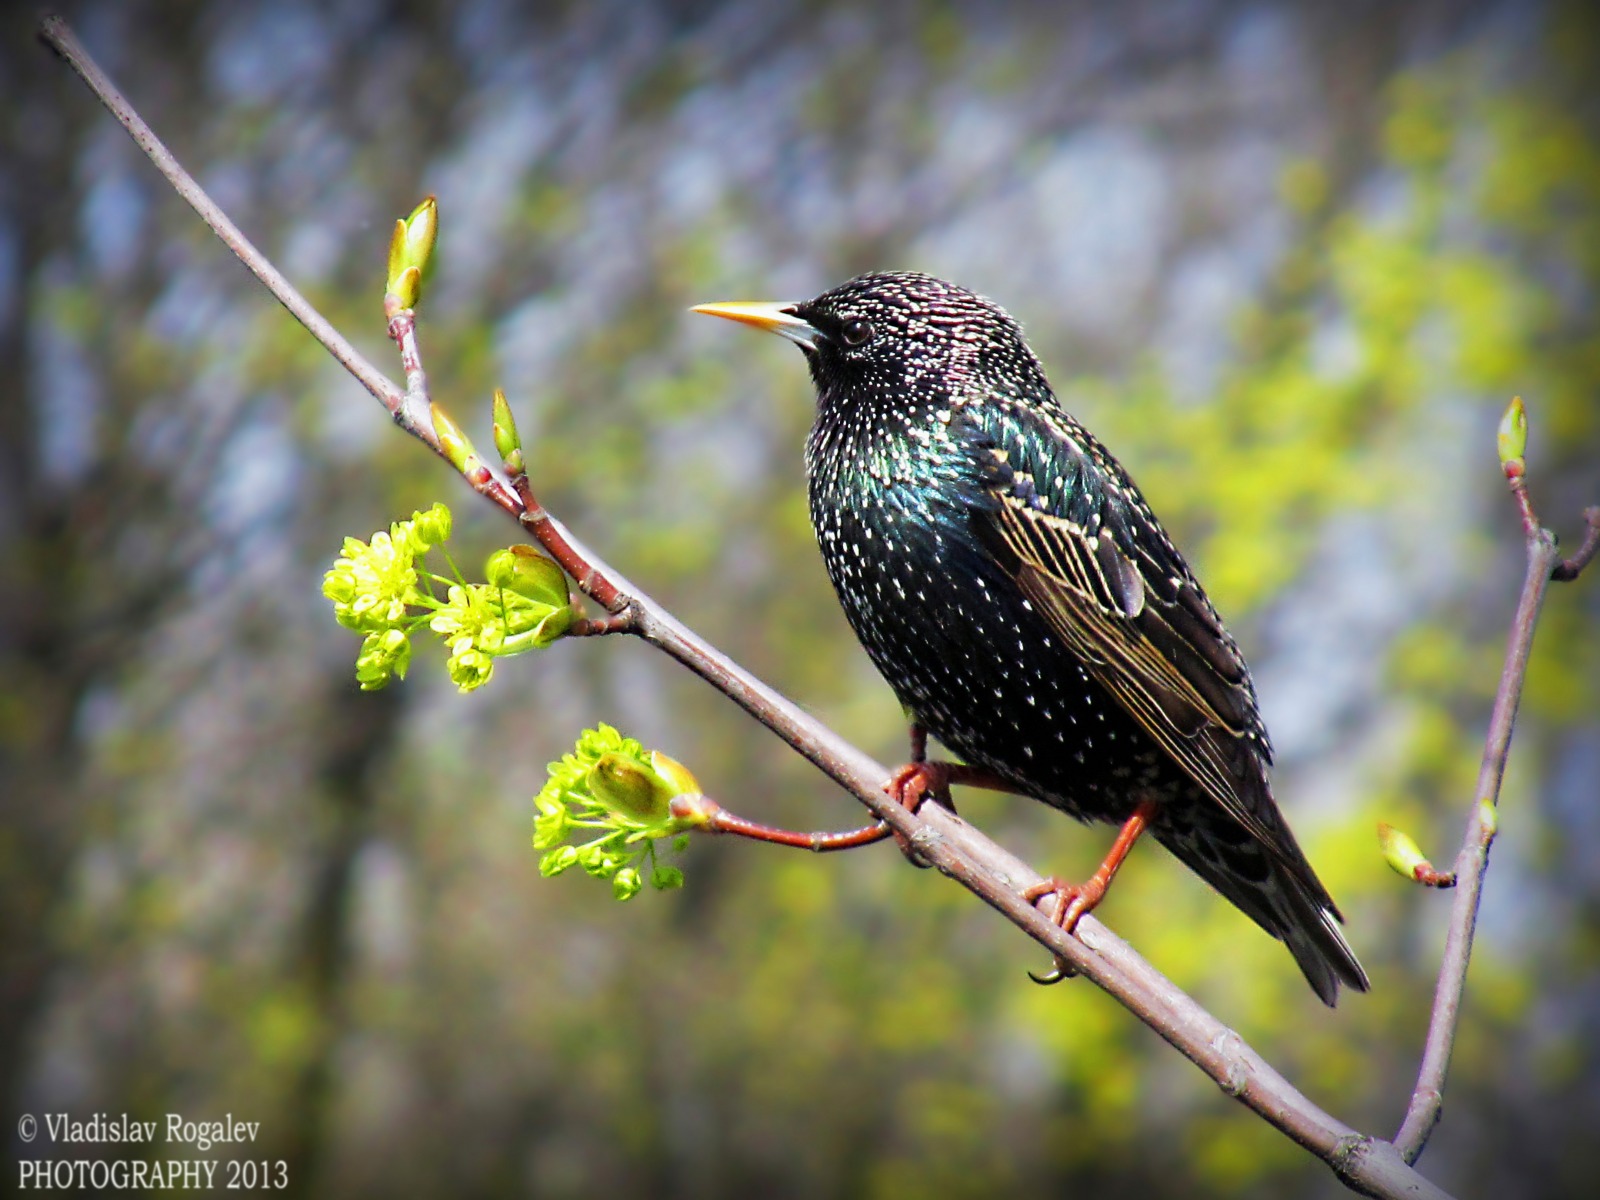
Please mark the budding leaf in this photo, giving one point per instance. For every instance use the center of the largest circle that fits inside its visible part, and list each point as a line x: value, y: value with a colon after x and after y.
x: 410, y: 250
x: 453, y: 444
x: 507, y: 442
x: 1512, y: 438
x: 1400, y: 851
x: 628, y: 789
x: 523, y: 570
x: 673, y: 774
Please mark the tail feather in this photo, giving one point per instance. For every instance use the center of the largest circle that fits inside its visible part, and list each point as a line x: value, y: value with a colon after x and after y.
x: 1293, y: 907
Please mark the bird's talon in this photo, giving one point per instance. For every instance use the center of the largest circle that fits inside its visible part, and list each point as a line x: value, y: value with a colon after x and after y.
x: 1061, y: 969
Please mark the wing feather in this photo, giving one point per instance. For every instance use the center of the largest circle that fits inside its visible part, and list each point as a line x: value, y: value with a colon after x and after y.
x: 1070, y: 526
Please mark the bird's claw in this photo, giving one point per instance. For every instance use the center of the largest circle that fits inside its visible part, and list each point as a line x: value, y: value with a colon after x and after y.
x: 914, y: 783
x: 1059, y: 970
x: 920, y: 781
x: 910, y: 787
x: 1072, y: 901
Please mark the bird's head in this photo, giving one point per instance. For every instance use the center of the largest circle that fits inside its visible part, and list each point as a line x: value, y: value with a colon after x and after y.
x: 897, y: 334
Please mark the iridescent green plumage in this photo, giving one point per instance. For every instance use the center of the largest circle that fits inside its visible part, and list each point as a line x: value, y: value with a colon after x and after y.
x: 1019, y: 596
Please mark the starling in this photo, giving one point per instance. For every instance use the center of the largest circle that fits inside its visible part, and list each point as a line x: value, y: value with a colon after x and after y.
x: 1015, y: 590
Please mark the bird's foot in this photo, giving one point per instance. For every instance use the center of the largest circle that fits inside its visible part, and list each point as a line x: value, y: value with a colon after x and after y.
x: 1073, y: 900
x: 919, y: 781
x: 913, y: 784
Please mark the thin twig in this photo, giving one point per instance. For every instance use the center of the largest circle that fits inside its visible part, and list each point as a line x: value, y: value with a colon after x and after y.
x: 1544, y: 564
x: 711, y: 817
x: 60, y: 38
x: 1569, y: 569
x: 1368, y: 1165
x: 593, y: 577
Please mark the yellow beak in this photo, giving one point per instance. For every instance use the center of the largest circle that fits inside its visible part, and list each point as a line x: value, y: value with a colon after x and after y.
x: 772, y: 316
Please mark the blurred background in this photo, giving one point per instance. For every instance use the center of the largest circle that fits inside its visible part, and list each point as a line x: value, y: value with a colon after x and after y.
x: 1288, y: 261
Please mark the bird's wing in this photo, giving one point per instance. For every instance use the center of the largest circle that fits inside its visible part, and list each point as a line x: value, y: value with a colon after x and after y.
x: 1089, y: 555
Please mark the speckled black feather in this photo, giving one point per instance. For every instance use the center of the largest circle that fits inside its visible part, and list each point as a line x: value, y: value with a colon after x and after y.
x: 1019, y: 596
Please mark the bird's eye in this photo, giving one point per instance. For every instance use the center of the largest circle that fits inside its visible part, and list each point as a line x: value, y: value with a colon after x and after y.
x: 856, y: 332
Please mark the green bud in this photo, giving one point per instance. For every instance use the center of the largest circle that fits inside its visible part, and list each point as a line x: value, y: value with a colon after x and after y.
x: 675, y: 777
x: 407, y: 289
x: 397, y: 264
x: 595, y: 860
x: 507, y: 442
x: 523, y: 570
x: 665, y: 878
x: 553, y: 627
x: 558, y: 860
x: 629, y: 789
x: 624, y: 800
x: 625, y: 884
x: 339, y: 584
x: 453, y: 444
x: 410, y: 249
x: 1400, y: 851
x: 433, y: 526
x: 384, y: 655
x: 1512, y: 438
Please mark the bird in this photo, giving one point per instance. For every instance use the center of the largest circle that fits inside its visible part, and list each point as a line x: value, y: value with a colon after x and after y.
x: 1012, y: 586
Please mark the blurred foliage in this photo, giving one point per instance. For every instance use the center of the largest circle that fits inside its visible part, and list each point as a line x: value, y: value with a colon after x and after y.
x: 233, y: 883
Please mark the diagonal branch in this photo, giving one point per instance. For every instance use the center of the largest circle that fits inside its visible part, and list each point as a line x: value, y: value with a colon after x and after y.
x: 1366, y: 1164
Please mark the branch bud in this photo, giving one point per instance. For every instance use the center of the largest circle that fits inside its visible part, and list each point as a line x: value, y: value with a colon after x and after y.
x: 625, y: 786
x: 453, y: 444
x: 1406, y: 857
x: 1400, y: 851
x: 674, y: 775
x: 523, y: 570
x: 410, y: 249
x: 506, y: 439
x: 1512, y: 438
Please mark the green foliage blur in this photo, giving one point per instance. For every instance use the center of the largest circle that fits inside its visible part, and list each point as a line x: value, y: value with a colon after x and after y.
x: 1290, y: 266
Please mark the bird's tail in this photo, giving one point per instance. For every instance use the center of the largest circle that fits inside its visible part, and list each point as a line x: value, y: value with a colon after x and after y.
x: 1292, y: 906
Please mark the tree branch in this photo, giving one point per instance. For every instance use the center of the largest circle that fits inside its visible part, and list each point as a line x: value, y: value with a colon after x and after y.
x: 1544, y: 564
x: 1366, y: 1164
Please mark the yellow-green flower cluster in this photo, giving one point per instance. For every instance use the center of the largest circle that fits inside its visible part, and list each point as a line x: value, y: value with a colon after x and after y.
x: 610, y: 785
x: 373, y: 583
x: 379, y: 589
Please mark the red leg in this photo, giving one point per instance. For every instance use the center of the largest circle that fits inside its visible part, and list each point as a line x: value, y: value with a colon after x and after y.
x: 1075, y: 899
x: 919, y: 741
